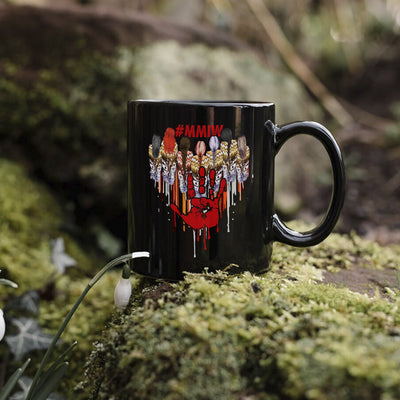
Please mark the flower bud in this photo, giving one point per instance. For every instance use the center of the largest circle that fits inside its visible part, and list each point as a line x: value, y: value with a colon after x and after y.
x: 2, y: 325
x: 123, y: 289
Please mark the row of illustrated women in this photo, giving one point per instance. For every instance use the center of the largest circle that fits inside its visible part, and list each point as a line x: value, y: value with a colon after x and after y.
x: 200, y: 179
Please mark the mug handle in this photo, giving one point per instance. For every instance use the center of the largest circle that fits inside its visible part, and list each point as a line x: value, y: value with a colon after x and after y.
x: 281, y: 134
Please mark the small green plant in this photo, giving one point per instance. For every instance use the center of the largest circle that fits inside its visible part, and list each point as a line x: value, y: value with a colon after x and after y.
x: 281, y: 335
x: 46, y: 381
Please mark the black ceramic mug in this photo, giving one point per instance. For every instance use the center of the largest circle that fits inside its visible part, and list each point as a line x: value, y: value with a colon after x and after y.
x: 201, y: 185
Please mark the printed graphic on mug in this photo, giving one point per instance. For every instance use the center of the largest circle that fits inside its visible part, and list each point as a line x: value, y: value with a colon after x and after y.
x: 199, y: 187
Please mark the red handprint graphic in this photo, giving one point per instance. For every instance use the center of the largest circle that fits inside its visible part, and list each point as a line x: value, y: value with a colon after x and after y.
x: 204, y: 211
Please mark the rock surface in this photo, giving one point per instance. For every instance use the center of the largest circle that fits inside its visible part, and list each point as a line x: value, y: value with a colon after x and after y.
x: 285, y: 334
x: 30, y: 218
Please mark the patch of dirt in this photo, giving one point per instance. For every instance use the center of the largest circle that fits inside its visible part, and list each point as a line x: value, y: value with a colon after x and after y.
x: 372, y: 201
x: 364, y: 280
x: 371, y: 206
x: 373, y: 191
x: 154, y: 293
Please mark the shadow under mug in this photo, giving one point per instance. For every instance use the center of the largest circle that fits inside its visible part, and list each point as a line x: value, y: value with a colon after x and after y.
x: 201, y: 185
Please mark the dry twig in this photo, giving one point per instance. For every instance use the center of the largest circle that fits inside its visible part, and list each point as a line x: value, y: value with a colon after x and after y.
x: 297, y: 65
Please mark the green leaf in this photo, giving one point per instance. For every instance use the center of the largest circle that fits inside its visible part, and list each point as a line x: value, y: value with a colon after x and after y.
x: 51, y: 383
x: 25, y: 383
x: 28, y: 302
x: 9, y: 386
x: 44, y: 378
x: 30, y: 337
x: 59, y: 257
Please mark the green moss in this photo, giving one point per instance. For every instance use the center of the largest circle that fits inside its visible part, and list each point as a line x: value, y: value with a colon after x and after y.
x: 214, y: 336
x: 335, y: 253
x: 29, y: 218
x: 73, y: 106
x: 86, y: 325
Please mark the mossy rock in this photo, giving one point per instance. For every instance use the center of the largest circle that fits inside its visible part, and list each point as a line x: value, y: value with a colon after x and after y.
x: 282, y: 335
x: 168, y: 70
x: 30, y: 217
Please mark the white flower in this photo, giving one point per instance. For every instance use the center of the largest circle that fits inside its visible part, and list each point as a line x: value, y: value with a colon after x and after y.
x: 123, y: 290
x: 2, y: 325
x: 122, y: 293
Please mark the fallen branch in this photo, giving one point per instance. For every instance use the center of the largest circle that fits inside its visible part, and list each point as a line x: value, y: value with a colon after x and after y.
x: 297, y: 65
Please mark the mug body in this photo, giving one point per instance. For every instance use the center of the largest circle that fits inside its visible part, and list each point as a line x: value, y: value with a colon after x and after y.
x: 200, y: 186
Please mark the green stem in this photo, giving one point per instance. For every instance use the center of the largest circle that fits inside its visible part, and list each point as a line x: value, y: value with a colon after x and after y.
x: 50, y: 350
x: 7, y: 282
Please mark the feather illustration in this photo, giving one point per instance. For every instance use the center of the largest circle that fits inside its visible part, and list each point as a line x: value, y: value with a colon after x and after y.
x: 200, y: 149
x: 184, y: 146
x: 184, y: 160
x: 226, y: 136
x: 169, y: 141
x: 214, y: 145
x: 241, y: 142
x: 155, y: 158
x: 243, y: 156
x: 197, y: 160
x: 169, y: 151
x: 156, y: 144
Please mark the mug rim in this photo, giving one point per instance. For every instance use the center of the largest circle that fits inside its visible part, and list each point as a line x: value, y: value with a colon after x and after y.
x: 208, y: 103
